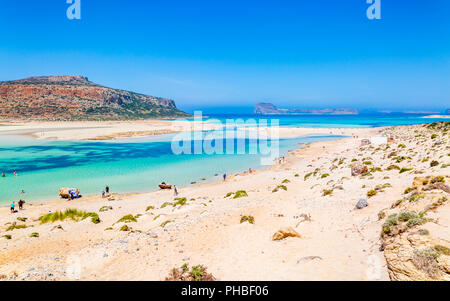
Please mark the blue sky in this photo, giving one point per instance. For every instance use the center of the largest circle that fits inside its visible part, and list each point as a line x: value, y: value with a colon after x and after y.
x: 209, y: 54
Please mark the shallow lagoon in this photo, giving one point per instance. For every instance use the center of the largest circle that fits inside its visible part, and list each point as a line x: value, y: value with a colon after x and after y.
x: 127, y: 165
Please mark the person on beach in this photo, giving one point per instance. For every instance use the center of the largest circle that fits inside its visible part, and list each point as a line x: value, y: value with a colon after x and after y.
x: 3, y: 175
x: 21, y: 202
x: 15, y: 174
x: 103, y: 194
x: 13, y: 204
x: 224, y: 176
x: 107, y: 189
x: 175, y: 190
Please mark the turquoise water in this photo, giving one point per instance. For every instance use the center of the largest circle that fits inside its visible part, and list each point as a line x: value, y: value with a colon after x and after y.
x: 139, y: 165
x: 130, y: 165
x: 338, y: 121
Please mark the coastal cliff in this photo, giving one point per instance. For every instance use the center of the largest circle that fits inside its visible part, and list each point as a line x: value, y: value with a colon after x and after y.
x: 270, y: 109
x: 74, y: 97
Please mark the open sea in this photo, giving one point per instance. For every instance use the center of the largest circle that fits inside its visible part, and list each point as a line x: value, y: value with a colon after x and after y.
x: 140, y: 164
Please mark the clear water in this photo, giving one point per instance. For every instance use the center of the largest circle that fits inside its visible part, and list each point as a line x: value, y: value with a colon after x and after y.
x: 139, y: 165
x: 131, y: 165
x: 338, y: 121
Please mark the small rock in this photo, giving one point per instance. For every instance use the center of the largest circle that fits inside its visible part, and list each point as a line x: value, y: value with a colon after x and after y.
x: 361, y: 204
x: 359, y: 169
x: 285, y: 232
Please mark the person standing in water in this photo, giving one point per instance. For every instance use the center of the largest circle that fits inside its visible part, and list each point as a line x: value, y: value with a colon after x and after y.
x: 3, y: 174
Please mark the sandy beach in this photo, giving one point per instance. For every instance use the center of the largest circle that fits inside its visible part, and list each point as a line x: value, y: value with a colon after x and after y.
x: 100, y: 130
x: 111, y: 130
x: 313, y: 194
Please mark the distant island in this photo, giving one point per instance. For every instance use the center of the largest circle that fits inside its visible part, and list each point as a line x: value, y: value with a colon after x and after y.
x: 74, y: 97
x: 270, y: 109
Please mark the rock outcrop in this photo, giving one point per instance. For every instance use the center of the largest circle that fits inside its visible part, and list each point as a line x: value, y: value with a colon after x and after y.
x: 359, y: 169
x: 285, y: 232
x: 270, y: 109
x: 76, y: 98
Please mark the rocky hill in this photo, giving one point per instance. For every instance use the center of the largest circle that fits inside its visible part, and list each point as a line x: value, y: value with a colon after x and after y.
x: 270, y: 109
x: 76, y: 98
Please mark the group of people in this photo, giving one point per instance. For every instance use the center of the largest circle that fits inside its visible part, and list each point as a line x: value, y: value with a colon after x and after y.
x: 13, y: 206
x: 14, y: 172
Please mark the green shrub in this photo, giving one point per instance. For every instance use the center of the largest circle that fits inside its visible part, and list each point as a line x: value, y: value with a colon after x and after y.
x: 375, y: 169
x: 442, y: 250
x: 434, y: 163
x: 415, y: 221
x: 406, y: 216
x: 326, y: 192
x: 276, y: 189
x: 180, y: 201
x: 129, y: 218
x: 105, y: 208
x: 307, y: 176
x: 7, y: 236
x: 381, y: 215
x: 371, y: 193
x: 13, y: 227
x: 391, y: 221
x: 438, y: 179
x: 73, y: 214
x: 149, y: 208
x: 34, y: 234
x: 166, y: 204
x: 325, y: 175
x: 434, y: 136
x: 94, y: 217
x: 197, y: 273
x: 392, y: 167
x: 228, y: 195
x: 424, y: 232
x: 417, y: 197
x: 124, y: 228
x: 163, y: 225
x: 22, y: 219
x: 404, y: 169
x: 240, y: 194
x: 249, y: 219
x: 408, y: 190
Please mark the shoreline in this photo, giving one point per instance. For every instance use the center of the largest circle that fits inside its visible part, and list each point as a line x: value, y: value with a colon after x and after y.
x: 208, y: 181
x: 338, y: 242
x: 285, y: 132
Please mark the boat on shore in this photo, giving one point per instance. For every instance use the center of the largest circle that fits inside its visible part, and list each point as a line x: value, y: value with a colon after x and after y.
x: 165, y: 186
